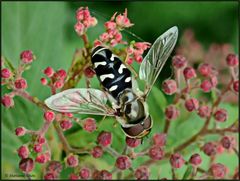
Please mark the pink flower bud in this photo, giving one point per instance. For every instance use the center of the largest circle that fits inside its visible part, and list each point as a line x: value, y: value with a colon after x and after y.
x: 20, y: 83
x: 191, y: 104
x: 6, y: 73
x: 236, y: 86
x: 129, y: 61
x: 48, y: 71
x: 206, y: 86
x: 171, y: 112
x: 7, y: 101
x: 159, y: 139
x: 122, y: 20
x: 232, y: 60
x: 156, y: 152
x: 104, y: 138
x: 142, y: 173
x: 169, y: 87
x: 97, y: 152
x: 58, y: 84
x: 37, y: 148
x: 118, y: 37
x: 142, y: 45
x: 102, y: 175
x: 220, y: 149
x: 195, y: 159
x: 23, y: 151
x: 113, y: 42
x: 213, y: 80
x: 204, y: 111
x: 218, y: 170
x: 68, y: 114
x: 179, y: 61
x: 104, y: 37
x: 26, y: 165
x: 205, y: 69
x: 66, y: 124
x: 84, y: 173
x: 44, y: 81
x: 176, y: 160
x: 89, y: 72
x: 61, y: 74
x: 41, y: 140
x: 49, y: 116
x: 138, y: 58
x: 82, y: 13
x: 42, y: 158
x: 89, y: 125
x: 73, y: 176
x: 123, y: 162
x: 228, y: 142
x: 20, y: 131
x: 72, y: 160
x: 110, y: 25
x: 97, y: 43
x: 50, y: 176
x: 27, y: 56
x: 210, y: 149
x: 92, y: 21
x: 54, y: 166
x: 132, y: 142
x: 221, y: 115
x: 189, y: 73
x: 79, y: 28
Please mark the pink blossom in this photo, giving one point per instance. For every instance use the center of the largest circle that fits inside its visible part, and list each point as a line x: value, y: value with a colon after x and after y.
x: 104, y: 37
x: 6, y: 73
x: 82, y: 13
x: 123, y: 21
x: 7, y: 101
x: 48, y: 71
x: 142, y: 45
x: 27, y: 56
x: 20, y: 83
x: 79, y: 28
x: 84, y: 21
x: 110, y: 25
x: 44, y: 81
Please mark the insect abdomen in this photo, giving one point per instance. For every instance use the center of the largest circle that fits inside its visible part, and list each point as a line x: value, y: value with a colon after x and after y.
x: 111, y: 72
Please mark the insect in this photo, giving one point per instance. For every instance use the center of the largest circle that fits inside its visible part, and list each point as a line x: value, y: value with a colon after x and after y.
x: 128, y: 102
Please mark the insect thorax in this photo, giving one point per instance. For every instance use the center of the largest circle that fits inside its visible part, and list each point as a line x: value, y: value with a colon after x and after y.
x: 111, y: 72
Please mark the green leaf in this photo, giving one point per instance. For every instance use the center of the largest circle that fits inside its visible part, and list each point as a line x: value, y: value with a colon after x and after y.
x: 9, y: 64
x: 39, y: 27
x: 188, y: 172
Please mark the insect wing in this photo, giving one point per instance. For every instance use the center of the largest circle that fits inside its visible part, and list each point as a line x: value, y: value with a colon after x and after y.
x: 155, y: 59
x: 82, y: 101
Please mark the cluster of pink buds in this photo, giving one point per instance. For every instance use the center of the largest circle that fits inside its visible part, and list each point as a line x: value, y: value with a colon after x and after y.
x: 208, y: 78
x: 56, y: 79
x: 13, y: 79
x: 135, y: 51
x: 38, y: 145
x: 84, y: 21
x: 113, y: 36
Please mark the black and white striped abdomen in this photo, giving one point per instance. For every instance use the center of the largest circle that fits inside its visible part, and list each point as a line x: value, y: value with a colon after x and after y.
x: 111, y: 72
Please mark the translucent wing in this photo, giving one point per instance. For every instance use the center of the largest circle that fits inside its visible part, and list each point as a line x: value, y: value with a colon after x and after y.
x: 155, y: 59
x: 82, y: 101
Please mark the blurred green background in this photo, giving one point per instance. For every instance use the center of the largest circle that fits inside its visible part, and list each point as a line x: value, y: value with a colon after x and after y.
x: 47, y: 29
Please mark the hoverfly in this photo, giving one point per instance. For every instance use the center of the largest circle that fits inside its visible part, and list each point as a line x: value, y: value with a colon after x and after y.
x: 128, y: 102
